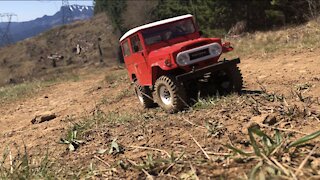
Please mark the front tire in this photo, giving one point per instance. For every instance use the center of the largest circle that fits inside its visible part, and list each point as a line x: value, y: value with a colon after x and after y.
x: 170, y: 94
x: 227, y: 81
x: 144, y: 95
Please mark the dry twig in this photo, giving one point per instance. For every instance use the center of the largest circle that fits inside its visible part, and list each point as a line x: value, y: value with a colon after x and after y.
x: 193, y: 123
x: 305, y: 160
x: 204, y: 152
x: 282, y: 129
x: 104, y: 162
x: 150, y: 148
x: 194, y: 171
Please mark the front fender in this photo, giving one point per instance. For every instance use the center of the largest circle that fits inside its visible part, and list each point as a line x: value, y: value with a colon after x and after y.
x: 162, y: 65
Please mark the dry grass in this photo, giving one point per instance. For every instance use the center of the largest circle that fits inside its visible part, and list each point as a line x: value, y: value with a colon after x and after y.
x: 290, y: 39
x: 27, y: 60
x: 14, y: 92
x: 27, y: 89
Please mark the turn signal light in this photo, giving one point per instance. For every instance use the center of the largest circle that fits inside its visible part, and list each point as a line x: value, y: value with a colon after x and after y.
x: 167, y: 62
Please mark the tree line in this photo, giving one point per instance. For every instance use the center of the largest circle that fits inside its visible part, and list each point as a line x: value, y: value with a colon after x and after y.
x: 219, y: 17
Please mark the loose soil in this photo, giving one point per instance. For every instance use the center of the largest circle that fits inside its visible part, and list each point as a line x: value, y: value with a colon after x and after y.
x: 151, y: 131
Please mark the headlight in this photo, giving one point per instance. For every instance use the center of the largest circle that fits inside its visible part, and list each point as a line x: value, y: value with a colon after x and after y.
x: 215, y: 49
x: 182, y: 59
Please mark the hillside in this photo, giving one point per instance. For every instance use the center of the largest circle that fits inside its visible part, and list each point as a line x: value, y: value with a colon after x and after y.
x: 22, y: 30
x: 29, y: 60
x: 99, y: 130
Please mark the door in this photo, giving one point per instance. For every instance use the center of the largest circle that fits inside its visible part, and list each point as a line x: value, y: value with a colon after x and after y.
x: 143, y: 72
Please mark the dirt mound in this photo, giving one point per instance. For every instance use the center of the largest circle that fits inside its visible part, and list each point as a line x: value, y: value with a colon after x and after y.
x: 59, y: 50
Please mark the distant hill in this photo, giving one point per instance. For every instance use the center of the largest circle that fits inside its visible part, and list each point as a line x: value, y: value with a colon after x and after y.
x: 22, y: 30
x: 29, y: 59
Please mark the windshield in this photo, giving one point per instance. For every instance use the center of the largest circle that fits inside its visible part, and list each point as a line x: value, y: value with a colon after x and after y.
x: 168, y: 31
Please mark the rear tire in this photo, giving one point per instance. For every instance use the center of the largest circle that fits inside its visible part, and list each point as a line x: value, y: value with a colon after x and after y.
x: 144, y: 95
x: 170, y: 94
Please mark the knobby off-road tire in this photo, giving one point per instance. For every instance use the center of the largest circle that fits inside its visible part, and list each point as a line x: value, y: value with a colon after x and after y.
x: 237, y: 79
x: 144, y: 95
x: 170, y: 94
x: 227, y: 81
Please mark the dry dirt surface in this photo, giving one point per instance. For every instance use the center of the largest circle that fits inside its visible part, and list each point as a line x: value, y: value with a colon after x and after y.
x: 281, y: 92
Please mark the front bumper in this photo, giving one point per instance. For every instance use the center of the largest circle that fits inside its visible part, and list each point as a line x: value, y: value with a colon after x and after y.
x: 212, y: 68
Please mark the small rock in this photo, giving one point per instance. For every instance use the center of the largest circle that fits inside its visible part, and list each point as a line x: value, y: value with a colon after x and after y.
x: 270, y: 120
x: 46, y: 97
x: 43, y: 118
x: 140, y: 138
x: 259, y: 119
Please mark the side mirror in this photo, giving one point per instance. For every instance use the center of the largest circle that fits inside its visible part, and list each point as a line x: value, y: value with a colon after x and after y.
x: 200, y: 33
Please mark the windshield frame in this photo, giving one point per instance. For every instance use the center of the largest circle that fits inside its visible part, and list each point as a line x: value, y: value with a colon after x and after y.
x: 166, y: 32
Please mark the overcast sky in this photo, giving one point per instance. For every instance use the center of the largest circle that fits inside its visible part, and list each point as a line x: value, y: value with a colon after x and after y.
x: 29, y: 10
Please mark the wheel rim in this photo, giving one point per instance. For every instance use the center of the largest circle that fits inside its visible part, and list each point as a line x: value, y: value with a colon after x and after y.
x: 165, y: 95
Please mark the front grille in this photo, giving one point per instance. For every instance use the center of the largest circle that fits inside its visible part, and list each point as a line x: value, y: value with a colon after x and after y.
x: 199, y: 54
x: 196, y: 45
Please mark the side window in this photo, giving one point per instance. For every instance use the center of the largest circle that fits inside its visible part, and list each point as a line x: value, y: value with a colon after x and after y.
x: 135, y: 44
x: 125, y: 48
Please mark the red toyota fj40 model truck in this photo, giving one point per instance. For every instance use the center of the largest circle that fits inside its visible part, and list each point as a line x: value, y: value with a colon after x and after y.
x: 170, y: 63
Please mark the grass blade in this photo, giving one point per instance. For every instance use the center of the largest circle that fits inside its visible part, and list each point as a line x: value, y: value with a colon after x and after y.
x: 304, y: 139
x: 236, y: 150
x: 257, y: 131
x: 253, y: 141
x: 278, y: 136
x: 255, y: 170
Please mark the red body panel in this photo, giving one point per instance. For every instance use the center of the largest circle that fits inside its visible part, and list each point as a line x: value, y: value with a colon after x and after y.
x: 145, y: 64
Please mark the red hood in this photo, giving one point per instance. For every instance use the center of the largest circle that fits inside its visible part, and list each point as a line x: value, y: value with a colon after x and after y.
x: 176, y: 48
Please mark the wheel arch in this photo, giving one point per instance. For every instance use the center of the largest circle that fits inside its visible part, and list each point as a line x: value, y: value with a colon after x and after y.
x: 133, y: 77
x: 157, y: 72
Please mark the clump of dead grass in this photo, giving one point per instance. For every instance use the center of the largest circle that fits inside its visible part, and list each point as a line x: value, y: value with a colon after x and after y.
x: 14, y: 92
x: 17, y: 164
x: 273, y: 154
x: 290, y: 39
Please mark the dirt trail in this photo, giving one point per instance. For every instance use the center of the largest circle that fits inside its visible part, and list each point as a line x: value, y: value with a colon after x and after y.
x: 282, y: 72
x: 72, y: 100
x: 68, y: 99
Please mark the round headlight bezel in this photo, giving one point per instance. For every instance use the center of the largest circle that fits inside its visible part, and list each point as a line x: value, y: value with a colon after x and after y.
x: 183, y: 59
x: 215, y: 49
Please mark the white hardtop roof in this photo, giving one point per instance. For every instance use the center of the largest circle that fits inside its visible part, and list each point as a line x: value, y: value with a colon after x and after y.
x: 134, y: 30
